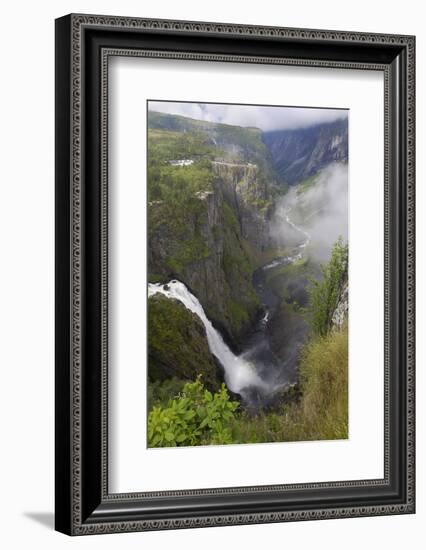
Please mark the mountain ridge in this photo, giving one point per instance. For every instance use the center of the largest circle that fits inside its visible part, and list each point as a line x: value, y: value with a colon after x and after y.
x: 289, y: 156
x: 300, y: 153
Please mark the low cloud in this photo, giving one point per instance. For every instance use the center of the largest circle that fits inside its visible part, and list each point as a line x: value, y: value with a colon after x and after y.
x: 321, y: 211
x: 265, y: 118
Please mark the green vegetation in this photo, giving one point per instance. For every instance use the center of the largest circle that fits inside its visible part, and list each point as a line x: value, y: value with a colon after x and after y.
x: 324, y: 294
x: 324, y: 379
x: 176, y: 211
x: 282, y: 279
x: 230, y: 218
x: 322, y: 410
x: 175, y: 185
x: 166, y: 145
x: 247, y: 140
x: 160, y: 392
x: 195, y: 417
x: 222, y: 141
x: 262, y: 257
x: 177, y: 123
x: 186, y: 413
x: 194, y: 233
x: 307, y: 184
x: 242, y: 301
x: 238, y: 314
x: 205, y: 228
x: 177, y: 343
x: 188, y: 252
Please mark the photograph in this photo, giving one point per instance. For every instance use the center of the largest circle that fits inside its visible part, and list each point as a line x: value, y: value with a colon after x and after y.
x: 248, y: 273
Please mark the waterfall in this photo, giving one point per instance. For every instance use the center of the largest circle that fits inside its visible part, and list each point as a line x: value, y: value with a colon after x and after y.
x: 239, y: 373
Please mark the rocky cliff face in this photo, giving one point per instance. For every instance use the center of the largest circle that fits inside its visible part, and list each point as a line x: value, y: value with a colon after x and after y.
x: 340, y: 314
x: 212, y: 255
x: 209, y: 220
x: 249, y: 195
x: 301, y: 153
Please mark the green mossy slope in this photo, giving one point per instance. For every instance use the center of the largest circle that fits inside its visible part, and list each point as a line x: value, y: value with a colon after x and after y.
x: 177, y: 344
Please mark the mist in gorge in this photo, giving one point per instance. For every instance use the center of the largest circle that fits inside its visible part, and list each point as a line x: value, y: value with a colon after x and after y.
x: 321, y: 210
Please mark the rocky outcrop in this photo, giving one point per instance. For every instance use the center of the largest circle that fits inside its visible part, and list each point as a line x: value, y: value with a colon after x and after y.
x: 340, y: 314
x: 301, y: 153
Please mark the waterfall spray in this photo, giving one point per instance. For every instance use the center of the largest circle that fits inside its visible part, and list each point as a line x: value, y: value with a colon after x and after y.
x: 239, y: 373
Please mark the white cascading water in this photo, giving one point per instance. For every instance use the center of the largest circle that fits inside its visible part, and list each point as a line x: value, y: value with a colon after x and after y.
x: 239, y: 373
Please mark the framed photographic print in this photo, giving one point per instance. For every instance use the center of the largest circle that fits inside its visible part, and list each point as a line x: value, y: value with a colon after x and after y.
x: 234, y: 274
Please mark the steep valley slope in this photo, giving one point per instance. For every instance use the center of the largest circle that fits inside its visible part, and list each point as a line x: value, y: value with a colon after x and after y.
x: 298, y: 154
x: 208, y: 221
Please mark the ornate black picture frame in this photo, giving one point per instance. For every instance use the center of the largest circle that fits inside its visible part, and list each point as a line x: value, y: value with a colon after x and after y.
x: 84, y: 44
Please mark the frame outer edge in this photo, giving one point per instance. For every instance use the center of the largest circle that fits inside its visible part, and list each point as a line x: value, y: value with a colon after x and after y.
x: 411, y: 271
x: 77, y: 22
x: 76, y: 269
x: 63, y: 496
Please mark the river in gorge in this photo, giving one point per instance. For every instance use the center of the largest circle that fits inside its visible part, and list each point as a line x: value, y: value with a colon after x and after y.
x: 256, y: 374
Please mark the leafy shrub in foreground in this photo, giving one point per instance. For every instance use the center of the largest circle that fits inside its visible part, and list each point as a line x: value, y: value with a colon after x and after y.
x: 160, y: 392
x: 195, y: 417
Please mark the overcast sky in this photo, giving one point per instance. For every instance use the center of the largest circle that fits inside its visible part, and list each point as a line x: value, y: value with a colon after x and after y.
x: 266, y: 118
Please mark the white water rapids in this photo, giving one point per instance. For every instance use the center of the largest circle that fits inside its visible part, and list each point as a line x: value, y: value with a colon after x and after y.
x: 240, y: 374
